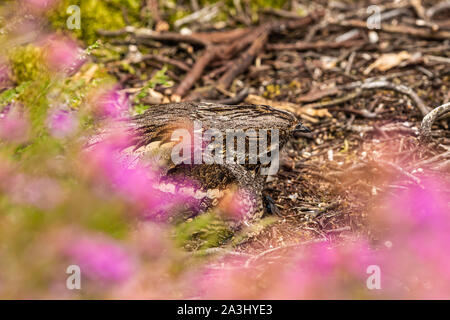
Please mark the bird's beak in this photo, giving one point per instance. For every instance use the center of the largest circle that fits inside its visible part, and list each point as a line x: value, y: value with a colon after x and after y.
x: 301, y: 128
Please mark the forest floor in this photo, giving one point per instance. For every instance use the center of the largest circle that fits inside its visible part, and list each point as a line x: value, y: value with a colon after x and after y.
x: 362, y: 88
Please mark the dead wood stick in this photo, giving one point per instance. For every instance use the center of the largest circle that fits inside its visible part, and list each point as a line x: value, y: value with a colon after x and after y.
x: 437, y: 8
x: 257, y: 38
x: 206, y: 38
x: 338, y: 230
x: 336, y: 101
x: 211, y: 53
x: 160, y: 24
x: 194, y: 5
x: 420, y: 10
x: 382, y: 84
x: 415, y: 32
x: 221, y: 36
x: 111, y: 33
x: 231, y: 49
x: 195, y: 73
x: 153, y: 6
x: 203, y: 15
x: 260, y: 37
x: 179, y: 64
x: 430, y: 118
x: 236, y: 99
x: 148, y: 34
x: 243, y: 62
x: 302, y: 45
x: 363, y: 113
x: 371, y: 85
x: 297, y: 23
x: 305, y: 112
x: 400, y: 170
x: 436, y: 158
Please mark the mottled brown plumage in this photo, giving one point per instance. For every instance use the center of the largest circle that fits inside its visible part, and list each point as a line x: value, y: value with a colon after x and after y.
x: 156, y: 125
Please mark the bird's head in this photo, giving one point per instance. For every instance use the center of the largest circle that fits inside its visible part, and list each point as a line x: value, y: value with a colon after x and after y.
x: 300, y: 127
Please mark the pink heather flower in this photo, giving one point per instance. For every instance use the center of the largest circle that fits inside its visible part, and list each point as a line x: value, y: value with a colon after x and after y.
x: 112, y: 104
x: 416, y: 223
x: 101, y: 259
x: 14, y: 125
x: 63, y: 54
x: 323, y: 272
x: 41, y: 4
x: 151, y: 240
x: 43, y: 193
x: 111, y: 165
x: 62, y: 123
x: 316, y: 271
x: 227, y: 280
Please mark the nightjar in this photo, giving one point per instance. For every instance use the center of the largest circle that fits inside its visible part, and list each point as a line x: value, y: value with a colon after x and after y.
x: 255, y: 134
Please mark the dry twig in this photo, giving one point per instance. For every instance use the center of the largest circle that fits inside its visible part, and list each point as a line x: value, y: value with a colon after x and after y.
x: 430, y: 118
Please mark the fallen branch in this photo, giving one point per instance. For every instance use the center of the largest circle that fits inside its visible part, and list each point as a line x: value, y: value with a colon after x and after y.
x: 305, y: 112
x: 430, y: 118
x: 437, y: 8
x: 195, y: 73
x: 401, y: 29
x: 148, y: 34
x: 337, y: 101
x: 203, y: 15
x: 236, y: 99
x: 160, y: 24
x: 217, y: 46
x: 255, y: 39
x: 382, y: 84
x: 179, y: 64
x: 318, y: 45
x: 400, y: 170
x: 243, y: 62
x: 363, y: 113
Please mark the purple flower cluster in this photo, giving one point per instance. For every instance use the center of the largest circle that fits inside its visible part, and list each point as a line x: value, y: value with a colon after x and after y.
x: 100, y: 259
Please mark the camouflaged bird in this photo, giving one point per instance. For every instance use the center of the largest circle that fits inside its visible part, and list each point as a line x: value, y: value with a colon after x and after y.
x: 154, y: 133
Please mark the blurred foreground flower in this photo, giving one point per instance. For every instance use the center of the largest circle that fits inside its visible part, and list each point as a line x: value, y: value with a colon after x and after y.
x: 40, y: 5
x: 100, y: 258
x: 415, y: 226
x: 111, y: 103
x: 63, y: 54
x: 312, y: 271
x: 62, y: 123
x: 39, y: 191
x: 14, y: 124
x: 109, y: 162
x: 411, y: 257
x: 43, y: 193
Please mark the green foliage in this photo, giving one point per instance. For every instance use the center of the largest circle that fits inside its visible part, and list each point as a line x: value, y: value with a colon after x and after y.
x: 37, y: 88
x: 12, y: 94
x: 109, y: 15
x: 268, y: 3
x: 160, y: 78
x: 202, y: 232
x: 96, y: 14
x: 252, y: 231
x: 27, y: 63
x: 253, y: 3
